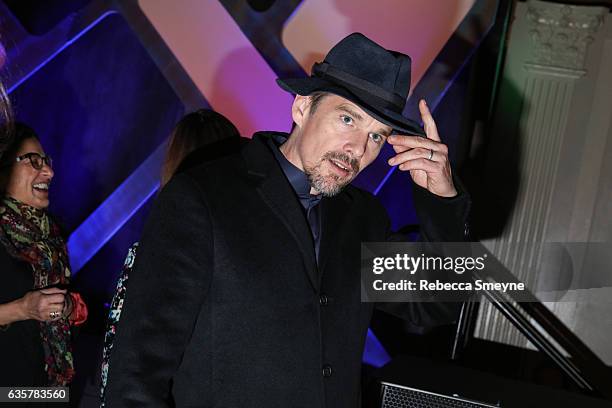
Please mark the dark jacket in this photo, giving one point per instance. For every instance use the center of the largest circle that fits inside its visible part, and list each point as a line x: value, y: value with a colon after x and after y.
x: 21, y: 350
x: 227, y: 306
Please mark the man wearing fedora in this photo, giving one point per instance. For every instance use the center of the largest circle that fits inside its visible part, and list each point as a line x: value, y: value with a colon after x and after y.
x: 246, y: 289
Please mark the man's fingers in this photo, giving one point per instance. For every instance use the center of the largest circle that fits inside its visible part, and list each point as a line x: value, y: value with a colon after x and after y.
x: 428, y: 121
x: 413, y: 142
x: 418, y: 153
x: 400, y: 148
x: 421, y: 164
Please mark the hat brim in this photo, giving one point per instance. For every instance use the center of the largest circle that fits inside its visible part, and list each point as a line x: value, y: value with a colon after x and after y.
x: 306, y: 86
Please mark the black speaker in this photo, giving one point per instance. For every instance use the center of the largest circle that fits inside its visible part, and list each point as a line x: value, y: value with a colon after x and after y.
x: 398, y: 396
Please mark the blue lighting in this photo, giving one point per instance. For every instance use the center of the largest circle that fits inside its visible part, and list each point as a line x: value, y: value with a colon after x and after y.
x: 115, y: 211
x: 374, y: 353
x: 59, y: 50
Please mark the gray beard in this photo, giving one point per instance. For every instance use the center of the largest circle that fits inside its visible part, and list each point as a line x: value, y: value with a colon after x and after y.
x: 330, y: 185
x: 327, y: 186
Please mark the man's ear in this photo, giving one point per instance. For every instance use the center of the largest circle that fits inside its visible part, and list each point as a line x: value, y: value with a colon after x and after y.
x: 299, y: 109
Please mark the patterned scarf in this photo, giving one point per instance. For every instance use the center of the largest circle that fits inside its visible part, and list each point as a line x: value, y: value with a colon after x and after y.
x: 29, y: 234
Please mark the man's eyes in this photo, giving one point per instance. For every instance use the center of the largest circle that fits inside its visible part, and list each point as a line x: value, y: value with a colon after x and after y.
x: 376, y: 137
x: 346, y: 119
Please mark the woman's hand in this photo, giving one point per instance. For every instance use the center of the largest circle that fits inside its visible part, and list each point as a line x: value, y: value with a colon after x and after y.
x: 44, y: 305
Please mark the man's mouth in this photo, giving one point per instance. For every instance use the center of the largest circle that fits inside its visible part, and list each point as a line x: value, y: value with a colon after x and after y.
x: 44, y: 187
x: 344, y: 168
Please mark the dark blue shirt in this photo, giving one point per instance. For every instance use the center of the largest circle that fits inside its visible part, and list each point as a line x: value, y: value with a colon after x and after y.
x: 301, y: 185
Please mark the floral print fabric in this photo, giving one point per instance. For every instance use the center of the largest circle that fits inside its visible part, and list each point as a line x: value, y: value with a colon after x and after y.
x: 31, y: 235
x: 114, y: 315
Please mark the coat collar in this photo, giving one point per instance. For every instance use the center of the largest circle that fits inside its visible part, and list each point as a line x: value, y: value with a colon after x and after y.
x: 297, y: 178
x: 273, y: 187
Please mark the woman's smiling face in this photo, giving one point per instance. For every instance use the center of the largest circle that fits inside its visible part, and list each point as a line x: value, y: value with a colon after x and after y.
x: 27, y: 184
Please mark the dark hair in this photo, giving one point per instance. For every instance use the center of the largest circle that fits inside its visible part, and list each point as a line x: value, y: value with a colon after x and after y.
x: 315, y: 99
x: 20, y: 133
x: 194, y: 130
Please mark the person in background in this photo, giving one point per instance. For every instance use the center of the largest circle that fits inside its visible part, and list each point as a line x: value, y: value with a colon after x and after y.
x: 198, y: 137
x: 37, y: 308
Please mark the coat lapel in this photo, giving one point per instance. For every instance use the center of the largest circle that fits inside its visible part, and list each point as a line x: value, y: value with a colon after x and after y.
x: 276, y: 192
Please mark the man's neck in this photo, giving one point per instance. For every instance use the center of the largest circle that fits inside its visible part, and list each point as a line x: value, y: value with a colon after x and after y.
x: 289, y: 150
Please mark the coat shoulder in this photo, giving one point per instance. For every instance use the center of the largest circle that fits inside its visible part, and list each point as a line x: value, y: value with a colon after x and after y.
x: 223, y: 172
x: 364, y: 198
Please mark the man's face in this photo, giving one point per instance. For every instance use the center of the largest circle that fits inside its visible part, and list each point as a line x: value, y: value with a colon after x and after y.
x: 335, y: 142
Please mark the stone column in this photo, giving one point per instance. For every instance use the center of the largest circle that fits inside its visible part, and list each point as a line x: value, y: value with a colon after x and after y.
x: 549, y: 82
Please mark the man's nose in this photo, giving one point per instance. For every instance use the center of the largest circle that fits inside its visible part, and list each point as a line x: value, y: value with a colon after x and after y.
x: 357, y: 144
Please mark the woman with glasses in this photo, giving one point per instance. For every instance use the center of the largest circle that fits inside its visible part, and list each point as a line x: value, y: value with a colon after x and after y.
x: 37, y: 309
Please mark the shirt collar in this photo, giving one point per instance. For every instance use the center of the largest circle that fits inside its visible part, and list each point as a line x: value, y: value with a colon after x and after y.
x: 297, y: 178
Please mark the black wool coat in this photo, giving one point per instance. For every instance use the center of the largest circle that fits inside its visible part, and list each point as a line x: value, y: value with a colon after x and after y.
x: 227, y: 305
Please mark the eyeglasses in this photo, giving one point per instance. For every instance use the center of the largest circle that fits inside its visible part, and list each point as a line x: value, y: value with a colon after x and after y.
x: 36, y: 160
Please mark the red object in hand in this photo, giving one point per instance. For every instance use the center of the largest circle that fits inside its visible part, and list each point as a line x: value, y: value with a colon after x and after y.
x: 79, y: 310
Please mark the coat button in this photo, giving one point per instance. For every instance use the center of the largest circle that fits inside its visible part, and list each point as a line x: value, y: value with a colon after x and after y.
x: 327, y: 371
x: 323, y: 300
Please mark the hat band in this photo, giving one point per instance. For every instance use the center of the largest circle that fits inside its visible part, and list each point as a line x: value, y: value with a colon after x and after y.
x: 324, y: 69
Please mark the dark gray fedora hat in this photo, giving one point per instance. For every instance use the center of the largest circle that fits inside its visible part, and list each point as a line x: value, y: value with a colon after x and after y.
x: 358, y: 69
